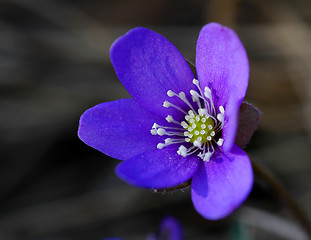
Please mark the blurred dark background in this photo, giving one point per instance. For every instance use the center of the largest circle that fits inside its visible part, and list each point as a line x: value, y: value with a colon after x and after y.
x: 54, y: 64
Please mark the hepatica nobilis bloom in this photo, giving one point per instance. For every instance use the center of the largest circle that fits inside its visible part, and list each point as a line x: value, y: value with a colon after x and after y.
x: 179, y: 126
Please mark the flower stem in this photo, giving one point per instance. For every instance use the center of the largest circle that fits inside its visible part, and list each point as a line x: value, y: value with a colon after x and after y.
x: 284, y: 194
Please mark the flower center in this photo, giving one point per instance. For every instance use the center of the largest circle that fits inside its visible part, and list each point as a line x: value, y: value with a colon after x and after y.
x: 199, y: 130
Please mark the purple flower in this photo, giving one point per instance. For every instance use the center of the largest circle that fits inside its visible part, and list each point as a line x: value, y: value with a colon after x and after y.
x: 177, y: 126
x: 170, y: 229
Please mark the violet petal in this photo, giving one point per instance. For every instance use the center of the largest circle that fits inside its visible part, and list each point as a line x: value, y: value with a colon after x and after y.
x: 120, y: 129
x: 222, y: 65
x: 222, y: 184
x: 148, y: 65
x: 158, y: 169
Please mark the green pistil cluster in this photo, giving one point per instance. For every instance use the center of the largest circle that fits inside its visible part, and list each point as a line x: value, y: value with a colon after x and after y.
x: 198, y: 128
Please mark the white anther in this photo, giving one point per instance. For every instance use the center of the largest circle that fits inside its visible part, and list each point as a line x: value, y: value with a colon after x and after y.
x: 182, y: 151
x: 203, y: 111
x: 207, y: 156
x: 184, y: 124
x: 190, y: 135
x: 191, y: 114
x: 197, y: 118
x: 192, y: 120
x: 182, y: 95
x: 221, y: 109
x: 193, y: 125
x: 209, y: 138
x: 203, y: 120
x: 161, y: 145
x: 170, y: 93
x: 161, y: 131
x: 220, y: 141
x: 168, y: 141
x: 197, y: 133
x: 187, y: 139
x: 187, y: 117
x: 194, y: 94
x: 199, y: 139
x: 212, y: 133
x: 190, y: 129
x: 197, y: 143
x: 169, y: 118
x: 195, y: 82
x: 155, y: 125
x: 221, y: 117
x: 203, y: 126
x: 208, y: 92
x: 210, y: 127
x: 186, y: 133
x: 202, y: 132
x: 153, y: 131
x: 166, y: 104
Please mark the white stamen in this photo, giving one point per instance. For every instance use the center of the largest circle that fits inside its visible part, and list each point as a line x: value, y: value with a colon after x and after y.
x: 170, y: 93
x: 221, y: 109
x: 191, y: 114
x: 220, y: 142
x: 166, y: 104
x: 161, y: 145
x: 182, y: 150
x: 208, y: 92
x: 161, y: 131
x: 221, y: 117
x: 196, y: 127
x: 197, y: 143
x: 194, y: 94
x: 202, y: 111
x: 195, y: 82
x: 182, y: 95
x: 207, y: 156
x: 169, y: 118
x: 184, y: 124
